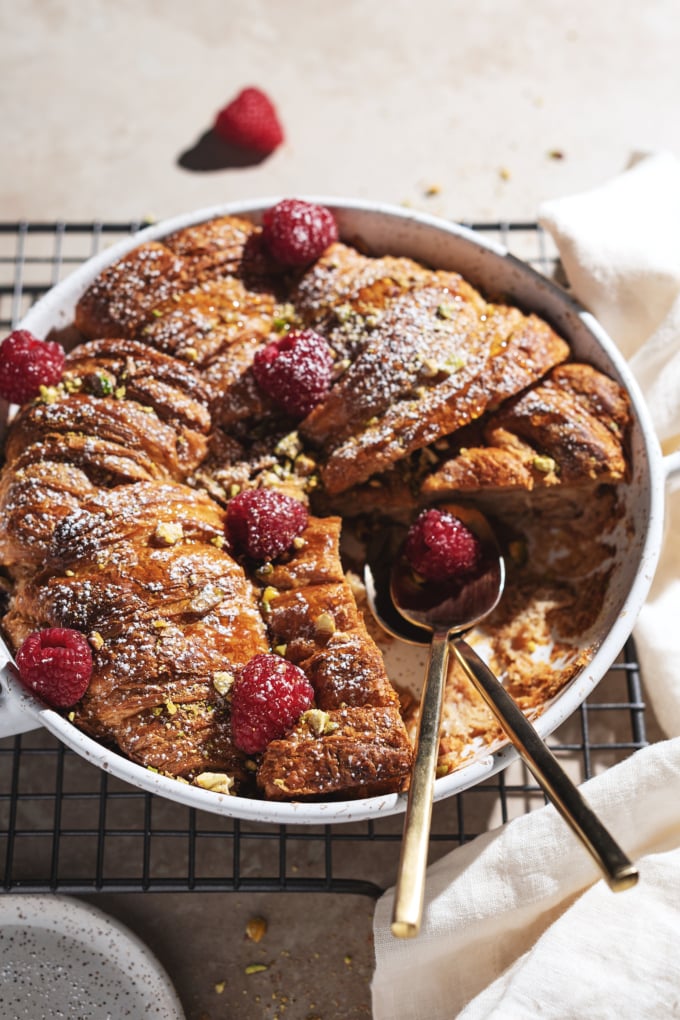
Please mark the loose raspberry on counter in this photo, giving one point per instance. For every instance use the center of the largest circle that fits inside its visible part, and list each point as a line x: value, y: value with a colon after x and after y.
x: 26, y: 364
x: 440, y: 547
x: 297, y: 232
x: 295, y: 371
x: 262, y: 523
x: 268, y: 697
x: 56, y: 664
x: 250, y: 121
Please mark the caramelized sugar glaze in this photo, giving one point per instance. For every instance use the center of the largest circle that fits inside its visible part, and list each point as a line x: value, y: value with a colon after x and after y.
x: 115, y: 485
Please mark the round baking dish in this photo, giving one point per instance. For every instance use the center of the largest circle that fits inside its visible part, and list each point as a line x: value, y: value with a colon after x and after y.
x: 380, y: 229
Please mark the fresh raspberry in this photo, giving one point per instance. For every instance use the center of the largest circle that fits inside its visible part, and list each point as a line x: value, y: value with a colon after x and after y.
x: 295, y: 371
x: 297, y: 232
x: 250, y: 121
x: 56, y: 664
x: 262, y: 523
x: 268, y: 697
x: 26, y: 364
x: 441, y: 548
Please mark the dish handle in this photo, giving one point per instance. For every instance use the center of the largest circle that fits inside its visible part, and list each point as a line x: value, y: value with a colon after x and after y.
x: 671, y: 467
x: 15, y: 716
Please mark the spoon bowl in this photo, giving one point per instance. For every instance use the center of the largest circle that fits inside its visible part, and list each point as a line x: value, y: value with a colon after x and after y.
x: 409, y: 609
x: 454, y: 605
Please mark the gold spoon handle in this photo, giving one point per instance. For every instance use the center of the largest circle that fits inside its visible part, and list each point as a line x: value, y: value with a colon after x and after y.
x: 410, y: 888
x: 617, y: 869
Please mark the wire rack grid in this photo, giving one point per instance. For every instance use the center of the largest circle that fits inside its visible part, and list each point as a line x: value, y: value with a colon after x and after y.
x: 67, y: 826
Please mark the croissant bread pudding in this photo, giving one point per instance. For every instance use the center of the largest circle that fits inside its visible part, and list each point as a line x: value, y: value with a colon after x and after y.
x: 243, y: 403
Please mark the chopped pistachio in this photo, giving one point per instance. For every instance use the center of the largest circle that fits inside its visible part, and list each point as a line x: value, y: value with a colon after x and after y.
x: 74, y: 384
x: 160, y: 624
x: 223, y: 681
x: 96, y: 640
x: 234, y: 490
x: 190, y: 354
x: 544, y: 464
x: 299, y: 542
x: 71, y: 716
x: 217, y: 782
x: 70, y: 573
x: 171, y: 707
x: 304, y: 465
x: 119, y: 392
x: 220, y: 986
x: 49, y: 394
x: 289, y: 446
x: 281, y: 783
x: 105, y: 384
x: 218, y: 541
x: 169, y: 532
x: 156, y: 312
x: 324, y: 624
x: 281, y: 650
x: 256, y: 968
x: 446, y: 311
x: 319, y: 722
x: 269, y: 594
x: 264, y: 570
x: 256, y: 928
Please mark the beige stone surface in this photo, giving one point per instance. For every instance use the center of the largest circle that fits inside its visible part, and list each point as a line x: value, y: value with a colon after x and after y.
x: 100, y: 100
x: 474, y: 111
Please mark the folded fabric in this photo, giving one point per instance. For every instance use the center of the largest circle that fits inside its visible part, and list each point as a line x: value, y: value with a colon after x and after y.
x: 517, y: 924
x: 620, y: 247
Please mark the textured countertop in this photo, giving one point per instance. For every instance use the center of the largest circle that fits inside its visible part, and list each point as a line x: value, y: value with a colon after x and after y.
x: 469, y: 111
x: 472, y: 111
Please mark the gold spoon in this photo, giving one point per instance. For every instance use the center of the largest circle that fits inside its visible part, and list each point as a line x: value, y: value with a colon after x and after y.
x: 408, y: 609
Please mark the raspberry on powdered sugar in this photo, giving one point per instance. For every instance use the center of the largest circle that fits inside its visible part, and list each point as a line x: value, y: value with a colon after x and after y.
x: 296, y: 232
x: 440, y: 547
x: 56, y: 664
x: 263, y: 523
x: 250, y: 121
x: 26, y: 364
x: 268, y: 698
x: 295, y: 371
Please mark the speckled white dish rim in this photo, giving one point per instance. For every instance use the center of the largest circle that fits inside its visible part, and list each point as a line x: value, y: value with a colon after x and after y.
x: 380, y: 229
x: 60, y: 957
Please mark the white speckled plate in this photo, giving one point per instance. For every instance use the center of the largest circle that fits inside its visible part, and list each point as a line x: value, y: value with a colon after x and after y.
x: 60, y: 958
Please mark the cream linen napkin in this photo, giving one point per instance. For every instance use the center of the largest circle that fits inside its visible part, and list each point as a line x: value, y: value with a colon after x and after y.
x: 620, y: 248
x: 517, y: 924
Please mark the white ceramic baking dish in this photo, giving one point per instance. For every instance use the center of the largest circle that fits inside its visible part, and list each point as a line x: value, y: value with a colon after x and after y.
x: 384, y: 229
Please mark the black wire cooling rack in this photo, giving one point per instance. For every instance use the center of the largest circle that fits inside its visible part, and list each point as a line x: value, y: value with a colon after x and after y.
x: 67, y: 826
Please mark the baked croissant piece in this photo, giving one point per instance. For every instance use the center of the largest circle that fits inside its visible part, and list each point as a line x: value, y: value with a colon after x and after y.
x: 117, y: 482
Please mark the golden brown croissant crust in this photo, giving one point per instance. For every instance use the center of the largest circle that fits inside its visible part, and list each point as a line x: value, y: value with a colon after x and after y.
x: 115, y: 484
